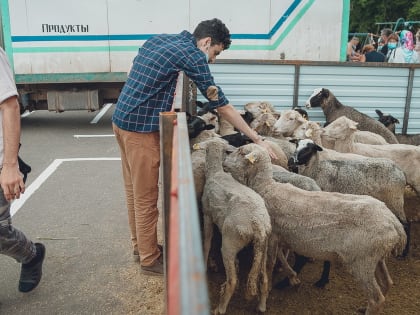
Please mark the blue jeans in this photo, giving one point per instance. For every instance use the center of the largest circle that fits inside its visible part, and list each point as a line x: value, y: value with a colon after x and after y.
x: 13, y: 242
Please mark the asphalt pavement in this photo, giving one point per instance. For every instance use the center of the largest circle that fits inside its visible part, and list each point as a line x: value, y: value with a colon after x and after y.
x: 75, y: 205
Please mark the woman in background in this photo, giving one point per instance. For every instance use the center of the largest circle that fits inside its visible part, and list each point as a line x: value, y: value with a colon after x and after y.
x: 405, y: 53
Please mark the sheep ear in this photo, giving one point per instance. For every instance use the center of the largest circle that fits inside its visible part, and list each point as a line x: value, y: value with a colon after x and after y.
x: 318, y: 148
x: 353, y: 125
x: 295, y: 141
x: 380, y: 114
x: 251, y: 157
x: 230, y: 149
x: 301, y: 119
x: 209, y: 127
x: 308, y: 133
x: 325, y: 92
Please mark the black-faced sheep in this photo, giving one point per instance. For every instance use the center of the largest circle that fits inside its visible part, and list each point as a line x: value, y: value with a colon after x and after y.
x: 358, y: 231
x: 390, y: 121
x: 333, y: 109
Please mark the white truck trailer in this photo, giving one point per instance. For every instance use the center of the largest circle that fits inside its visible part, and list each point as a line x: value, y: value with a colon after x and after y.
x: 70, y: 53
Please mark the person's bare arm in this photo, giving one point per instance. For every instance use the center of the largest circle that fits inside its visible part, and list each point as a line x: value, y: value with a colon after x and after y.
x: 232, y: 115
x: 11, y: 179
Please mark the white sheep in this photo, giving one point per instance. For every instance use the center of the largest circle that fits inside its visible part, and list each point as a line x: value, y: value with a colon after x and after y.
x: 377, y: 177
x: 287, y: 123
x: 258, y: 108
x: 263, y: 124
x: 312, y: 130
x: 242, y: 218
x: 358, y: 231
x: 282, y: 175
x: 203, y: 136
x: 406, y: 156
x: 333, y: 109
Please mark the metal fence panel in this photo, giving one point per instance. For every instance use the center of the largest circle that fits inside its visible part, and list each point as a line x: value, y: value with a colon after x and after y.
x: 255, y: 82
x: 361, y: 86
x: 364, y: 88
x: 414, y: 121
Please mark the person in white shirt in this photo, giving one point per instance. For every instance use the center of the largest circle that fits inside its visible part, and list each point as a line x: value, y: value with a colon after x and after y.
x: 14, y: 243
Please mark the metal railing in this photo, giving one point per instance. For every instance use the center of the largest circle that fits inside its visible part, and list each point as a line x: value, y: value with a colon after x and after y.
x: 185, y: 277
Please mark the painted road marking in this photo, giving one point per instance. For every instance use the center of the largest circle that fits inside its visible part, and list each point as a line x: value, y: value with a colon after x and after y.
x: 101, y: 113
x: 17, y: 204
x: 93, y: 136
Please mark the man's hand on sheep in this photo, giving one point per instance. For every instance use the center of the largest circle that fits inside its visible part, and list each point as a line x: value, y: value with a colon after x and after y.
x: 266, y: 146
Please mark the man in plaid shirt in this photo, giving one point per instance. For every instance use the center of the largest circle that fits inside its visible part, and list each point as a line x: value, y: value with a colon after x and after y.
x: 149, y: 90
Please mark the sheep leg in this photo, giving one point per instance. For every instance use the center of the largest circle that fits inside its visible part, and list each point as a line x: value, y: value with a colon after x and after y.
x: 324, y: 276
x: 271, y: 257
x: 264, y: 288
x: 227, y: 289
x: 407, y: 229
x: 208, y: 235
x: 259, y: 268
x: 368, y: 280
x: 252, y: 282
x: 300, y: 262
x: 383, y: 277
x: 293, y: 279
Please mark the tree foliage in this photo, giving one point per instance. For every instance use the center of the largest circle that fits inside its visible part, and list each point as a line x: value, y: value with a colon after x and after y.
x: 364, y: 14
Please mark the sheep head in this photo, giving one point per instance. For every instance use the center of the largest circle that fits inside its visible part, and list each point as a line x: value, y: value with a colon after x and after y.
x: 248, y: 163
x: 341, y: 128
x: 317, y: 98
x: 387, y: 120
x: 303, y: 112
x: 305, y: 150
x: 258, y: 108
x: 288, y: 122
x: 263, y: 124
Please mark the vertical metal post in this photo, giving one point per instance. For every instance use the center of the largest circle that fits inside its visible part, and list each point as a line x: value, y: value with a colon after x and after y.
x: 167, y: 120
x: 408, y: 100
x: 296, y: 86
x: 178, y: 99
x: 189, y: 96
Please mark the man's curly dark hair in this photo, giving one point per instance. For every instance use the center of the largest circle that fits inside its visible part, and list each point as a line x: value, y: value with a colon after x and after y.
x: 215, y: 29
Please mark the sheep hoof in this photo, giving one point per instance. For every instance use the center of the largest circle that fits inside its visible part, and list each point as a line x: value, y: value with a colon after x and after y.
x: 216, y: 311
x: 294, y: 280
x: 362, y: 310
x: 282, y: 284
x: 321, y: 283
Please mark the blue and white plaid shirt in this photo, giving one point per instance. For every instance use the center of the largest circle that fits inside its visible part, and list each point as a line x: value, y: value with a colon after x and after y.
x: 151, y: 83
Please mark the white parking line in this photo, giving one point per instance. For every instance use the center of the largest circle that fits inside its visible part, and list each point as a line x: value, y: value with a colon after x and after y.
x: 17, y: 204
x: 93, y: 136
x: 101, y: 113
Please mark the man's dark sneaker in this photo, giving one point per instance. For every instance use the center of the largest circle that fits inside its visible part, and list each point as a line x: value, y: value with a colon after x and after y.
x: 31, y: 272
x: 136, y: 256
x: 154, y: 270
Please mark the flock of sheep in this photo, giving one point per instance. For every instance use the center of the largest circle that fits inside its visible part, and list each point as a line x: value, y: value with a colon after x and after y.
x: 334, y: 193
